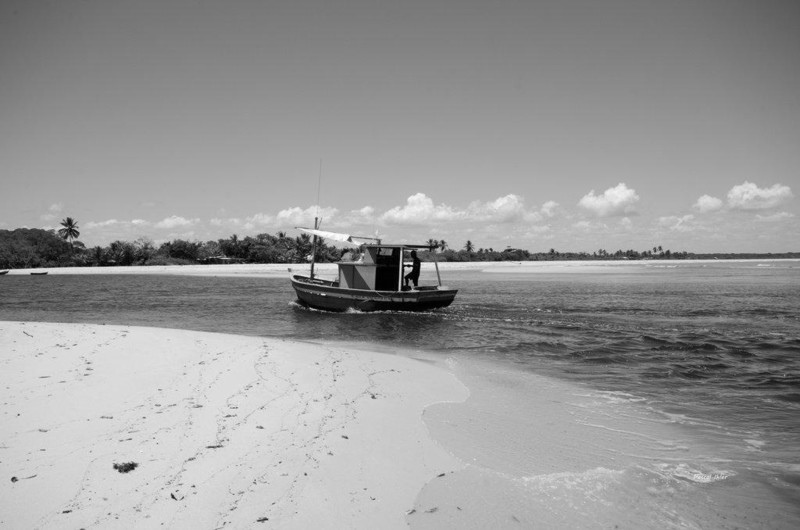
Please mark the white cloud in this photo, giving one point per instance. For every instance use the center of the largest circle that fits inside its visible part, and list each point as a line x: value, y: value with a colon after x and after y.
x: 549, y: 208
x: 748, y: 196
x: 366, y: 212
x: 259, y: 220
x: 116, y: 223
x: 297, y: 216
x: 501, y: 210
x: 365, y: 215
x: 774, y: 218
x: 175, y: 221
x: 707, y: 203
x: 52, y: 212
x: 101, y: 224
x: 538, y: 230
x: 618, y: 200
x: 547, y: 211
x: 677, y: 224
x: 230, y: 222
x: 419, y: 209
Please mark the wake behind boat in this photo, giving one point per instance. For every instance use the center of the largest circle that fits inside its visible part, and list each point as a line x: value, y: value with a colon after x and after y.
x: 375, y: 283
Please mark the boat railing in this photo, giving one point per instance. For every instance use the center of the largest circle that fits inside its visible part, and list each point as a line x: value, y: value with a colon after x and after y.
x: 315, y: 281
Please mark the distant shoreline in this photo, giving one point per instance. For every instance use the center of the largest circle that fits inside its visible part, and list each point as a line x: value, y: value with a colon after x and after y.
x: 278, y: 270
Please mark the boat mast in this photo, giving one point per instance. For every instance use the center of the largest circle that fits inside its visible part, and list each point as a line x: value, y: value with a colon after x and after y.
x: 316, y: 221
x: 314, y: 247
x: 436, y: 264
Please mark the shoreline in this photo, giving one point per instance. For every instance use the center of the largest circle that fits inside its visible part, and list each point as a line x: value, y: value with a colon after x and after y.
x: 239, y: 431
x: 275, y: 270
x: 224, y: 429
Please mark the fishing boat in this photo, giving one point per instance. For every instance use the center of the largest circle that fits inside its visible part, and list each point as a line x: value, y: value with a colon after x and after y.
x: 374, y: 283
x: 3, y: 272
x: 43, y: 273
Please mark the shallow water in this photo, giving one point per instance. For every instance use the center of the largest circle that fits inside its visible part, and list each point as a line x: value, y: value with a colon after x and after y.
x: 710, y: 349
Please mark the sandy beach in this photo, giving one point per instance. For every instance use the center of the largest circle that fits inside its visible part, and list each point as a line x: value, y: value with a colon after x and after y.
x: 223, y: 430
x: 280, y: 270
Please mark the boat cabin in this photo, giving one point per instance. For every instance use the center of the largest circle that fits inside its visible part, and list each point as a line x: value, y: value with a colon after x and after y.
x: 381, y: 268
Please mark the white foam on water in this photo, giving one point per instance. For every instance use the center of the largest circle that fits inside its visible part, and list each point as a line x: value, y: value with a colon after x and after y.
x: 686, y: 472
x: 755, y: 445
x: 590, y: 484
x: 611, y: 397
x: 544, y: 453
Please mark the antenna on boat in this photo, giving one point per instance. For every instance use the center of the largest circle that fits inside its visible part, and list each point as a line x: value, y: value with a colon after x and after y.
x: 319, y: 185
x: 316, y: 221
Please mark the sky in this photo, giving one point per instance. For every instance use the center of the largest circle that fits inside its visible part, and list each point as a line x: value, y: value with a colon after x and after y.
x: 568, y: 124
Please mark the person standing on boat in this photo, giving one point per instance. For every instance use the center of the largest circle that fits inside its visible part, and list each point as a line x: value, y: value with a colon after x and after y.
x: 415, y: 265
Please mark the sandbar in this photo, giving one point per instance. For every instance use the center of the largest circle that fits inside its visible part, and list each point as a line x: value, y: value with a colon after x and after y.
x: 126, y: 427
x: 130, y: 427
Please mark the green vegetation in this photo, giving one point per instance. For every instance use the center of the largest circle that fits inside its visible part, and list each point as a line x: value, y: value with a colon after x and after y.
x: 34, y: 248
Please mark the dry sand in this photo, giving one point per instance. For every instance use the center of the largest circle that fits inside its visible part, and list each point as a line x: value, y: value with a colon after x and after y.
x: 226, y: 430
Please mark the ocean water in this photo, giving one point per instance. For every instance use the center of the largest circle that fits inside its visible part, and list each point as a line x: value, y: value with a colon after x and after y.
x: 687, y: 374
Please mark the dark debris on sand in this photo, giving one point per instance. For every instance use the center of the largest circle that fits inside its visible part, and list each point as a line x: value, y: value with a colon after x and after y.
x: 127, y: 467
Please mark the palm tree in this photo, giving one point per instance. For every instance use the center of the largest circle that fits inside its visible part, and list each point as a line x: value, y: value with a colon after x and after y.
x: 234, y: 246
x: 70, y: 230
x: 443, y: 245
x: 433, y: 244
x: 304, y: 246
x: 469, y: 247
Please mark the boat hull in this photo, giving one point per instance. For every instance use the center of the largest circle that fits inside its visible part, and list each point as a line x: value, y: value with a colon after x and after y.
x: 328, y: 296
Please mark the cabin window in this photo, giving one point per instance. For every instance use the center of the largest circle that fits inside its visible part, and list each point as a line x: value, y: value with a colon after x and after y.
x: 388, y: 256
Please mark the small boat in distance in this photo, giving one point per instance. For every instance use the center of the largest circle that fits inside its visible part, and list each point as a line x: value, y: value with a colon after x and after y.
x: 375, y: 283
x: 4, y: 272
x: 39, y: 273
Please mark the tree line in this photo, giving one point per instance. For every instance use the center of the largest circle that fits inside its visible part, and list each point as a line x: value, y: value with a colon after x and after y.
x: 35, y: 248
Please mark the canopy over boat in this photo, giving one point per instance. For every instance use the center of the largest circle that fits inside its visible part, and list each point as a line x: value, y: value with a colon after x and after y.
x: 360, y: 240
x: 336, y: 236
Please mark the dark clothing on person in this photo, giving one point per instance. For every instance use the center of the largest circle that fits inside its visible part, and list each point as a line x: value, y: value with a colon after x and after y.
x: 414, y: 274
